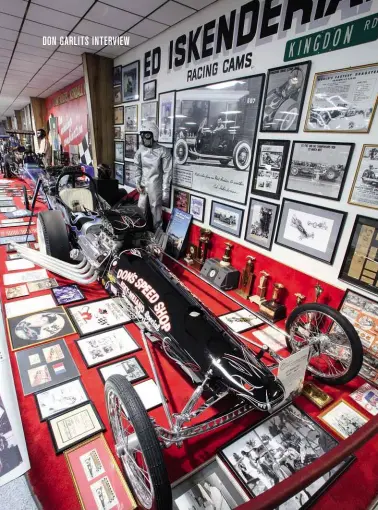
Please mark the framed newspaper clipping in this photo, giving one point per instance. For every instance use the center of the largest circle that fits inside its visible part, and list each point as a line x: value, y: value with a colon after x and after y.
x: 364, y: 191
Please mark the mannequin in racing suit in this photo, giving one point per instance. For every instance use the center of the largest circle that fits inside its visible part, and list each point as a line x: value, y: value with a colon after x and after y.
x: 43, y: 147
x: 154, y: 172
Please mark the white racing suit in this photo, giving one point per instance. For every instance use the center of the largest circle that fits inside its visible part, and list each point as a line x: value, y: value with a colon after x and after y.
x: 154, y: 174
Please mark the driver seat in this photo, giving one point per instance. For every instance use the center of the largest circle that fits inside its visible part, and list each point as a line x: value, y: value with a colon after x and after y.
x: 77, y: 199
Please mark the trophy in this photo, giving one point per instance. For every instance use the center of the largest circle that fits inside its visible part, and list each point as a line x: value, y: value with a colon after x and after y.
x: 261, y: 289
x: 226, y: 259
x: 203, y: 247
x: 246, y: 279
x: 300, y: 298
x: 273, y: 309
x: 191, y: 255
x: 318, y: 291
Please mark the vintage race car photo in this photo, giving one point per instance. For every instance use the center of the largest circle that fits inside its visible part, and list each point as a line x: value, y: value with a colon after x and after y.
x: 326, y: 172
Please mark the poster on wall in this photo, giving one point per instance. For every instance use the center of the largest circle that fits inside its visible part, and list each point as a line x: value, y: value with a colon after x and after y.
x: 344, y: 100
x: 148, y: 112
x: 166, y: 116
x: 130, y: 82
x: 364, y: 191
x: 215, y: 129
x: 270, y: 164
x: 284, y: 97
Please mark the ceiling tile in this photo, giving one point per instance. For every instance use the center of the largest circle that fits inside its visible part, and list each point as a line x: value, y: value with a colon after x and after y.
x: 21, y: 65
x: 15, y: 7
x: 90, y: 48
x: 66, y: 57
x: 49, y: 72
x: 89, y: 28
x: 32, y: 91
x: 47, y: 92
x: 43, y: 82
x: 74, y: 7
x: 11, y: 22
x: 135, y: 40
x: 141, y: 7
x: 8, y: 45
x: 113, y: 51
x: 20, y: 74
x: 9, y: 35
x: 4, y: 60
x: 32, y: 50
x: 18, y: 55
x: 112, y: 17
x: 5, y: 53
x: 51, y: 17
x: 61, y: 64
x: 39, y: 30
x: 74, y: 50
x: 148, y: 28
x: 171, y: 13
x: 34, y: 41
x: 197, y: 4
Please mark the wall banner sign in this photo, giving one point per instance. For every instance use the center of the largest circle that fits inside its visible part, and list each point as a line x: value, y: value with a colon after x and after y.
x: 354, y: 33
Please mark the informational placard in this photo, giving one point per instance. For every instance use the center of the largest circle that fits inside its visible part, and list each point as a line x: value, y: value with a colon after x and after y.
x: 291, y: 370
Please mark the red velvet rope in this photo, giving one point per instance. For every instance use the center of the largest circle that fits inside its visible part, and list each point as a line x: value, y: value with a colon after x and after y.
x: 286, y: 489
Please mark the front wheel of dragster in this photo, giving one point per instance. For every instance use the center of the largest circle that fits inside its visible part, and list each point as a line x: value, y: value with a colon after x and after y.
x: 181, y: 152
x: 242, y: 156
x: 137, y: 445
x: 52, y: 235
x: 335, y: 347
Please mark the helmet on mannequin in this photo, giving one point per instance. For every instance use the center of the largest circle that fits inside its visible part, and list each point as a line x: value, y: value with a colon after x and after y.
x: 149, y: 133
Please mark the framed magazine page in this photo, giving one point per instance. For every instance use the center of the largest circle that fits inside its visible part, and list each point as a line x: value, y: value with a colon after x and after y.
x: 261, y: 223
x: 270, y: 165
x: 149, y: 90
x: 118, y: 115
x: 349, y: 111
x: 166, y: 116
x: 119, y: 152
x: 148, y: 112
x: 130, y: 82
x: 131, y: 118
x: 364, y: 191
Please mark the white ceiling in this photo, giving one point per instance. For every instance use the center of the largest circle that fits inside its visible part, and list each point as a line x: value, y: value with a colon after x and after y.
x: 27, y: 68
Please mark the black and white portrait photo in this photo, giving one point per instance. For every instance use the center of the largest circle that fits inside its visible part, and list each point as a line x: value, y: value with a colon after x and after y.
x: 131, y: 118
x: 261, y: 223
x: 130, y: 82
x: 130, y: 368
x: 270, y: 164
x: 364, y: 191
x: 131, y: 146
x: 284, y: 96
x: 215, y: 129
x: 319, y: 169
x: 149, y: 90
x: 226, y: 218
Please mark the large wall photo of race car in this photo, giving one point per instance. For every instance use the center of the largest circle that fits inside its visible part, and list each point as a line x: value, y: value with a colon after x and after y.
x: 214, y: 137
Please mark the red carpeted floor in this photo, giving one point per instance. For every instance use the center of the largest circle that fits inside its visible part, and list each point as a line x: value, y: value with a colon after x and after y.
x: 49, y: 475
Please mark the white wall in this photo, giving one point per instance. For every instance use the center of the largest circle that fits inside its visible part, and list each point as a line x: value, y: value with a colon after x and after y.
x: 267, y: 54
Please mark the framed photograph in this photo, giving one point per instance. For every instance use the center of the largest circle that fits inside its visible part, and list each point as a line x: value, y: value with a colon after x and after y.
x: 131, y: 118
x: 226, y: 218
x: 181, y: 200
x: 277, y: 447
x: 130, y: 368
x: 60, y: 398
x: 45, y: 366
x: 149, y: 90
x: 130, y: 174
x: 353, y: 110
x: 208, y: 486
x: 39, y: 327
x: 343, y: 419
x: 67, y: 294
x: 98, y: 480
x: 117, y: 75
x: 149, y: 112
x: 119, y: 172
x: 197, y: 207
x: 28, y: 276
x: 367, y: 397
x: 118, y: 132
x: 166, y: 116
x: 48, y: 283
x: 119, y: 115
x: 131, y: 146
x: 74, y: 426
x: 106, y: 346
x: 318, y: 168
x: 261, y: 223
x: 312, y: 230
x: 119, y: 152
x: 284, y: 96
x: 99, y: 315
x: 16, y: 292
x: 117, y: 94
x: 359, y: 266
x: 362, y: 313
x: 270, y: 165
x: 130, y: 82
x: 15, y: 460
x: 222, y: 119
x: 364, y: 191
x: 177, y: 231
x: 241, y: 320
x: 33, y: 304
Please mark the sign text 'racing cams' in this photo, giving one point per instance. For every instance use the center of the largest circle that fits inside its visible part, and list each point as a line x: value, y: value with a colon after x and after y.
x: 158, y: 307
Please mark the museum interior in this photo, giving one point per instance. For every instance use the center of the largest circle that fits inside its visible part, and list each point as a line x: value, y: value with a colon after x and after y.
x: 188, y: 254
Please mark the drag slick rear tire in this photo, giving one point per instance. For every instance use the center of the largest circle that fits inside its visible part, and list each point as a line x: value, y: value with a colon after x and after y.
x: 52, y: 235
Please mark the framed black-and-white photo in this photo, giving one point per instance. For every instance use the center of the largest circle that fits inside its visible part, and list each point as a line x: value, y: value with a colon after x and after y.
x: 220, y: 122
x: 117, y: 95
x: 310, y: 229
x: 97, y: 349
x: 344, y: 100
x: 364, y: 191
x: 131, y: 146
x: 343, y: 419
x: 241, y: 320
x: 38, y: 327
x: 197, y: 207
x: 119, y: 151
x: 130, y: 82
x: 149, y: 90
x: 166, y: 116
x: 131, y: 118
x: 130, y: 174
x: 45, y: 366
x: 119, y: 172
x: 261, y: 223
x: 74, y: 426
x: 67, y: 294
x: 319, y: 168
x: 277, y: 447
x: 226, y: 218
x: 60, y: 398
x: 284, y: 97
x: 130, y: 368
x: 118, y: 132
x: 209, y: 486
x: 148, y: 112
x: 118, y: 115
x: 270, y: 165
x: 117, y: 75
